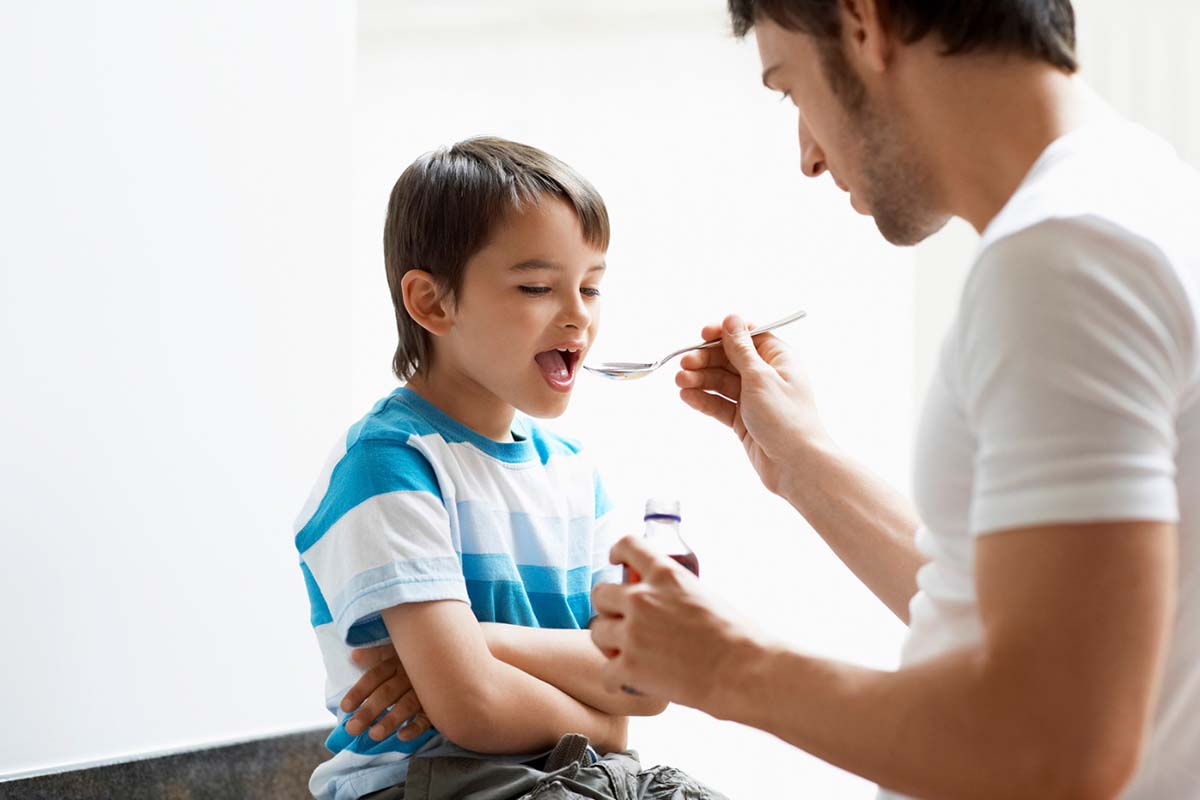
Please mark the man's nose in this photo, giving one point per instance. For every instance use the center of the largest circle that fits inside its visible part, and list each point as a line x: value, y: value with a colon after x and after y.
x: 812, y: 157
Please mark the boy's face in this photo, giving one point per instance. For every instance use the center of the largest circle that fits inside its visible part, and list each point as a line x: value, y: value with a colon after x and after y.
x: 528, y: 311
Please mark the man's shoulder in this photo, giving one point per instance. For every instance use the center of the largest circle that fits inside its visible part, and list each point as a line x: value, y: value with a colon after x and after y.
x: 1084, y: 294
x: 1079, y: 180
x: 1055, y: 261
x: 1083, y: 217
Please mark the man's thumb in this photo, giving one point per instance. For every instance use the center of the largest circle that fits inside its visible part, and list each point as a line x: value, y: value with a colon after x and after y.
x: 739, y: 347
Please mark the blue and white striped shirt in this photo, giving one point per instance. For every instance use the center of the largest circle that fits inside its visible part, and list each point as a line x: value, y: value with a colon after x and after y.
x: 414, y: 507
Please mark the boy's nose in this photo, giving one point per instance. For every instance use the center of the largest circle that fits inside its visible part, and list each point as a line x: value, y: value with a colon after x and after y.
x: 575, y: 315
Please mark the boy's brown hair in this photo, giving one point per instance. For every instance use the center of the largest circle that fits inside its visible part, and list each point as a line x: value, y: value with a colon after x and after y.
x: 445, y: 207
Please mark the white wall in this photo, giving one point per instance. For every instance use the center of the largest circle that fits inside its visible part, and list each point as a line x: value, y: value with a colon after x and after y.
x: 175, y: 311
x: 665, y: 113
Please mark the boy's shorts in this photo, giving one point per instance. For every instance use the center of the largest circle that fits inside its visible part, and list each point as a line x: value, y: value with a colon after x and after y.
x: 571, y: 771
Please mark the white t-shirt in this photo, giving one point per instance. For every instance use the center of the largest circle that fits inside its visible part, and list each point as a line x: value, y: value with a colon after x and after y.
x: 1068, y: 390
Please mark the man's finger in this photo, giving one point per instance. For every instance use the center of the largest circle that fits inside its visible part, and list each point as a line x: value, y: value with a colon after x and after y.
x: 738, y: 345
x: 709, y: 357
x: 717, y: 407
x: 721, y: 381
x: 608, y: 599
x: 712, y: 358
x: 606, y: 633
x: 371, y: 680
x: 633, y: 552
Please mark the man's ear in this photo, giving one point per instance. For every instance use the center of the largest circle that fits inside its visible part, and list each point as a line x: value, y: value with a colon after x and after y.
x: 426, y: 303
x: 866, y: 34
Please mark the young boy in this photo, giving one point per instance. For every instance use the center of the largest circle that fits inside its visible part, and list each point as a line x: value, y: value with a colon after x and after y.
x: 446, y: 522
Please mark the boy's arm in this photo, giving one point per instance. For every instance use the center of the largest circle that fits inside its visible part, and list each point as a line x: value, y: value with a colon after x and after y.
x: 569, y: 660
x: 478, y: 701
x: 566, y: 659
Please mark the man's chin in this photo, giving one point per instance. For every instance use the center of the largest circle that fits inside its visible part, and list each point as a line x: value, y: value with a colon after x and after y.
x: 907, y: 233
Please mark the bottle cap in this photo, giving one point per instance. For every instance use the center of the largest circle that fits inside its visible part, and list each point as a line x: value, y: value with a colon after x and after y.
x: 660, y: 508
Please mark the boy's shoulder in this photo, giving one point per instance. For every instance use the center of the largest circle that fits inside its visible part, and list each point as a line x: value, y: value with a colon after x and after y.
x: 546, y: 441
x: 392, y: 419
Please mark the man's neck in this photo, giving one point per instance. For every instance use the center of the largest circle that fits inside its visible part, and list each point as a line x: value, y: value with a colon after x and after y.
x: 983, y: 122
x: 465, y: 401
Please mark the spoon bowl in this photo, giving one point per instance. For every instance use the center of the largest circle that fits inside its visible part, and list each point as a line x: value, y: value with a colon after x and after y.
x: 632, y: 370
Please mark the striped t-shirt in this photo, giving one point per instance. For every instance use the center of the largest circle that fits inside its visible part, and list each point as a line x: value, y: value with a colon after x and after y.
x: 414, y: 506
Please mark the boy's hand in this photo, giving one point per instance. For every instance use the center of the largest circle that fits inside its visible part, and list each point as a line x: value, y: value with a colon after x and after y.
x: 385, y: 683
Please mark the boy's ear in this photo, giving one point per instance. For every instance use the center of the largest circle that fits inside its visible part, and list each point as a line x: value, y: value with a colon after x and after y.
x: 425, y: 302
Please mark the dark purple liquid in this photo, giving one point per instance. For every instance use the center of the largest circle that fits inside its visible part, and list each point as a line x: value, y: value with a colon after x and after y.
x: 689, y: 561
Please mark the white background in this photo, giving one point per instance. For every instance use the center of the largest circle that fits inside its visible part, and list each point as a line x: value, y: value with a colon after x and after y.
x: 175, y: 313
x: 194, y: 308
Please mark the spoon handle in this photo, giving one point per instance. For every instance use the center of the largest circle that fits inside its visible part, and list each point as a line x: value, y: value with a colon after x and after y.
x: 779, y: 323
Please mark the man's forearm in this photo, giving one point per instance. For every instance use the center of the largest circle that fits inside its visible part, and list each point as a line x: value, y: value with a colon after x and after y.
x: 949, y: 728
x: 568, y: 660
x: 867, y: 524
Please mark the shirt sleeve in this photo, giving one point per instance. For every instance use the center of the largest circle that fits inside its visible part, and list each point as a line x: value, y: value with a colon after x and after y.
x: 605, y: 534
x: 1075, y: 348
x: 380, y: 537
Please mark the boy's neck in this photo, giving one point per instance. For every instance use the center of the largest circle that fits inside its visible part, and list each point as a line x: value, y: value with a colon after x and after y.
x: 465, y: 401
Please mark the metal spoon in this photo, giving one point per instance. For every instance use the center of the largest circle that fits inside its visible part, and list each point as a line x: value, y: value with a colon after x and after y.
x: 629, y: 371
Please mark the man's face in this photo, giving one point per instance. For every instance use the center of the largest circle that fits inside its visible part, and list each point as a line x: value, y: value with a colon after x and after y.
x: 851, y: 132
x: 528, y: 310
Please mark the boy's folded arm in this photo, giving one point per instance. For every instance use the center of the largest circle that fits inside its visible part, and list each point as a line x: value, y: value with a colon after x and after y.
x: 478, y: 701
x: 569, y: 660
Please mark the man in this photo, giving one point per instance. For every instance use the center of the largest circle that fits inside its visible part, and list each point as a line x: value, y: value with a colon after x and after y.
x: 1050, y: 574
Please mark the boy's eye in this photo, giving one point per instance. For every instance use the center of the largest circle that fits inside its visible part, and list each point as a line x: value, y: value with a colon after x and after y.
x: 590, y: 292
x: 535, y: 290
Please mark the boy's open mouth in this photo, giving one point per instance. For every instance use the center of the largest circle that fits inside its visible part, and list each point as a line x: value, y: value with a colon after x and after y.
x: 558, y: 367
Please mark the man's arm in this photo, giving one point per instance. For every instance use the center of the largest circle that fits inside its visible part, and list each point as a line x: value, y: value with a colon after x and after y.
x: 755, y: 387
x: 1055, y: 701
x: 478, y: 701
x: 866, y: 523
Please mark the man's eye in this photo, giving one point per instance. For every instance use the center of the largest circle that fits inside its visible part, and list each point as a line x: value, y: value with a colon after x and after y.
x: 535, y: 291
x: 590, y: 292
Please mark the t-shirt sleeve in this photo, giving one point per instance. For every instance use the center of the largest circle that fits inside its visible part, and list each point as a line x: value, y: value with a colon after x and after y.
x: 605, y: 535
x: 1074, y: 354
x: 380, y: 537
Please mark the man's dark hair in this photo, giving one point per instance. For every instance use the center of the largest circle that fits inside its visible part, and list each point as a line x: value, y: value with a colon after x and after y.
x: 1040, y: 29
x: 445, y: 207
